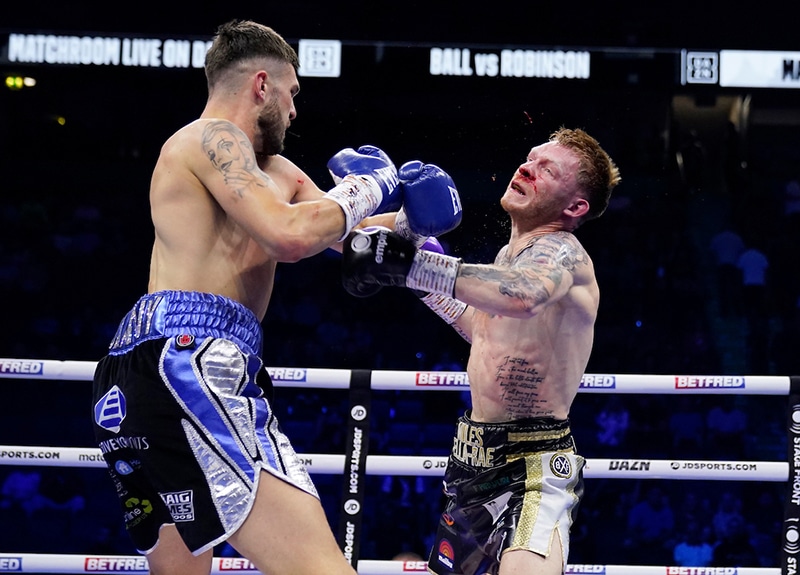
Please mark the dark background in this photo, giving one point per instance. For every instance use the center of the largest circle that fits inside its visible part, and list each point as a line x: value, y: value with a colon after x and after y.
x: 75, y: 238
x: 764, y: 25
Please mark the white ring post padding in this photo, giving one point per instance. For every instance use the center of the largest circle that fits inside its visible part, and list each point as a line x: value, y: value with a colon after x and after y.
x: 11, y: 368
x: 55, y: 563
x: 333, y: 464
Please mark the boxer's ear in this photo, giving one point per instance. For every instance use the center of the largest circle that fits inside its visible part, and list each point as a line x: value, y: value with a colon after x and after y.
x: 578, y: 208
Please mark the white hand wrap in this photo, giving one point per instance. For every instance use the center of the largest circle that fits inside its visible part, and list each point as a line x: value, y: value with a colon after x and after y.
x: 446, y: 307
x: 433, y: 273
x: 402, y: 227
x: 358, y: 196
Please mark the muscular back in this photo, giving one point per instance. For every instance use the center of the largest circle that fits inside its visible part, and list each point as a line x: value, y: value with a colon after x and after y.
x: 530, y: 364
x: 203, y: 241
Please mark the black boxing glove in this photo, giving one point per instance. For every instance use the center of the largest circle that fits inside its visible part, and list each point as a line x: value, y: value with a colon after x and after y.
x: 354, y: 285
x: 381, y: 257
x: 374, y: 257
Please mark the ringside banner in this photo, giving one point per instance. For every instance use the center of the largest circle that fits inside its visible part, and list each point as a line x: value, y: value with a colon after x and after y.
x: 759, y: 69
x: 53, y: 49
x: 332, y: 58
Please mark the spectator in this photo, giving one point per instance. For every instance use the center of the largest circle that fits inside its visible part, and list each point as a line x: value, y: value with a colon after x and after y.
x: 694, y: 550
x: 26, y: 499
x: 694, y: 506
x: 649, y: 425
x: 401, y: 500
x: 330, y: 430
x: 446, y: 362
x: 754, y: 265
x: 726, y: 247
x: 729, y: 509
x: 105, y: 540
x: 726, y: 424
x: 687, y: 429
x: 613, y: 422
x: 735, y: 549
x: 21, y: 491
x: 764, y: 514
x: 791, y: 200
x: 650, y: 527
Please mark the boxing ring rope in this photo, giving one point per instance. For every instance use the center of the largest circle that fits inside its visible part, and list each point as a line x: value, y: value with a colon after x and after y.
x: 332, y: 464
x: 389, y: 380
x: 38, y: 563
x: 777, y: 471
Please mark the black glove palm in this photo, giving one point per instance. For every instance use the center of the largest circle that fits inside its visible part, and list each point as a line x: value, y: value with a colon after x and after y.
x: 374, y: 258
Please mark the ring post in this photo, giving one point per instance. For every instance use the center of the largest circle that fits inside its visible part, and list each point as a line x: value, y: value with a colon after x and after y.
x: 355, y: 465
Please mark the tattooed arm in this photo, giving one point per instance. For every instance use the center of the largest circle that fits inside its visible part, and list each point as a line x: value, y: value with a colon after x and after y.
x: 228, y: 169
x: 521, y: 284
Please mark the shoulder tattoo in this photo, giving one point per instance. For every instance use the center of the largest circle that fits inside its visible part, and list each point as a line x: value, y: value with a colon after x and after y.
x: 231, y: 154
x: 536, y: 272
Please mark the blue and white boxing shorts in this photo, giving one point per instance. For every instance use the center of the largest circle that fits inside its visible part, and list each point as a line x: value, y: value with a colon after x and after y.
x: 182, y: 419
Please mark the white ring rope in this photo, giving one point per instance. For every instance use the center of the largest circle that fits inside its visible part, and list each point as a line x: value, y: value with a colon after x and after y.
x: 55, y: 563
x: 778, y: 471
x: 332, y: 464
x: 388, y: 380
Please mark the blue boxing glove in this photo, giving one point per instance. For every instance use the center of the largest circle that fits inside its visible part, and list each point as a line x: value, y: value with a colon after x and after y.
x: 431, y: 204
x: 369, y: 161
x: 366, y: 183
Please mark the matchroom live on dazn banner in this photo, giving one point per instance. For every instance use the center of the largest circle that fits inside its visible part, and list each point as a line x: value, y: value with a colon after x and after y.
x: 330, y: 58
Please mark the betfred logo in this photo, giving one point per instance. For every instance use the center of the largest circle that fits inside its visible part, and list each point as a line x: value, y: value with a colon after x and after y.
x: 415, y: 567
x: 116, y: 564
x: 21, y: 367
x: 702, y: 571
x: 442, y: 379
x: 236, y: 564
x: 10, y: 564
x: 706, y: 382
x: 286, y: 374
x: 598, y: 381
x: 575, y: 569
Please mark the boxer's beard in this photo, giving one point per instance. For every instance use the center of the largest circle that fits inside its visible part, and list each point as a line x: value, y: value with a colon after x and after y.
x: 272, y: 129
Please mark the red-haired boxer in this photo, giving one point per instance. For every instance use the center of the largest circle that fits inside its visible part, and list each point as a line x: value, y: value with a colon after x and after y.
x: 514, y: 479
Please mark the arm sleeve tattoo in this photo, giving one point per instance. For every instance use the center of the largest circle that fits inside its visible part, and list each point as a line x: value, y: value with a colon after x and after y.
x: 537, y: 272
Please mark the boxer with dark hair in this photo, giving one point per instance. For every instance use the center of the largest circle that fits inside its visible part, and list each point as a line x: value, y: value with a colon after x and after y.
x: 182, y: 411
